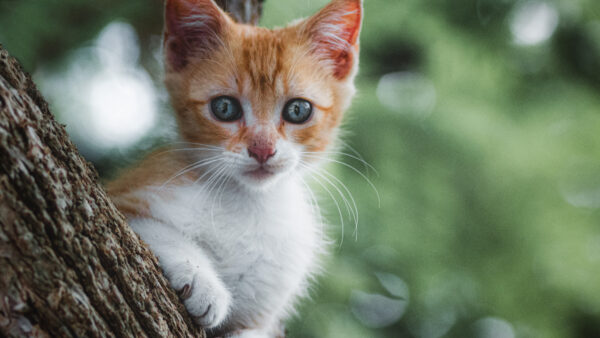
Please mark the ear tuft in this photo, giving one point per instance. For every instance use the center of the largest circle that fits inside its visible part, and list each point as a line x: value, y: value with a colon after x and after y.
x: 334, y: 32
x: 191, y: 27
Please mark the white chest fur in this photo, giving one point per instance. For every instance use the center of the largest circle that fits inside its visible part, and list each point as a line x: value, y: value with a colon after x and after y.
x: 262, y: 245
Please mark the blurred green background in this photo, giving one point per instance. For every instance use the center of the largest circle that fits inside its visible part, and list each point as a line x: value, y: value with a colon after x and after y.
x: 482, y: 118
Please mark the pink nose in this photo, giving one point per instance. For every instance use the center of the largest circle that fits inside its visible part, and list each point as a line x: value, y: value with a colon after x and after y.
x: 261, y: 153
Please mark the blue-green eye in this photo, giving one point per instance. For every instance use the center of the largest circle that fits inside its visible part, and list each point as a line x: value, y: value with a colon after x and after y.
x: 297, y: 111
x: 226, y: 108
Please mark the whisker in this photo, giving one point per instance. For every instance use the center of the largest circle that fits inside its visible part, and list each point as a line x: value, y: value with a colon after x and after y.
x: 355, y: 170
x: 191, y: 167
x: 222, y: 189
x: 213, y: 183
x: 352, y: 212
x: 316, y: 210
x: 188, y: 149
x: 220, y: 184
x: 312, y: 197
x: 314, y: 204
x: 214, y: 176
x: 194, y: 144
x: 347, y: 145
x: 332, y: 198
x: 211, y: 180
x: 208, y: 172
x: 207, y: 151
x: 344, y: 187
x: 360, y: 159
x: 231, y: 165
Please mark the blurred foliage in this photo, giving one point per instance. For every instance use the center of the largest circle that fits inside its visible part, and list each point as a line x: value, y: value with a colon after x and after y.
x: 489, y: 224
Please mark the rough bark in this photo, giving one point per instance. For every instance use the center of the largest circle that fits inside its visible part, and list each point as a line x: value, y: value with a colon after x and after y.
x: 69, y: 264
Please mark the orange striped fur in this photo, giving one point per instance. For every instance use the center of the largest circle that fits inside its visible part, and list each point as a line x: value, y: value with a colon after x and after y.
x: 264, y: 69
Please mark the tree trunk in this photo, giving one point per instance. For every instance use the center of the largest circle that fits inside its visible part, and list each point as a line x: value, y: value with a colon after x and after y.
x: 69, y: 264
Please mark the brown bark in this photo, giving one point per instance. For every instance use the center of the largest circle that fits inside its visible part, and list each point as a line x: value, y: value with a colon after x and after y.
x: 69, y: 264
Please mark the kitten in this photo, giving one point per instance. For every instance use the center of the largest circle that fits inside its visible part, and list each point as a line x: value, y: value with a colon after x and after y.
x: 228, y: 214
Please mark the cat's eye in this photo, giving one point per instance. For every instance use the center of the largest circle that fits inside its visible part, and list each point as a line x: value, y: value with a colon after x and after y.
x: 226, y: 108
x: 297, y: 111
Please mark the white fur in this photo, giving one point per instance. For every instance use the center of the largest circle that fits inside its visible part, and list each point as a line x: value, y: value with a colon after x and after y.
x: 248, y: 253
x: 246, y: 242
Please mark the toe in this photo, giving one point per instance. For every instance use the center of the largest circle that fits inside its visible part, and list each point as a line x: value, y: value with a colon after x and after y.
x: 185, y: 292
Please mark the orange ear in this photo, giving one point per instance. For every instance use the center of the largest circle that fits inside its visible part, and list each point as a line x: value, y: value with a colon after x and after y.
x: 334, y: 34
x: 191, y: 27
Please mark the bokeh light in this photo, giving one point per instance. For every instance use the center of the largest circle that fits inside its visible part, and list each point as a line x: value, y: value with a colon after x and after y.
x: 106, y: 99
x: 533, y: 22
x: 493, y: 328
x: 407, y: 93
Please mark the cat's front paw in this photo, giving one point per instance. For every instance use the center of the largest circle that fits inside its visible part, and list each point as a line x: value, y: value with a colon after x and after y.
x: 205, y: 297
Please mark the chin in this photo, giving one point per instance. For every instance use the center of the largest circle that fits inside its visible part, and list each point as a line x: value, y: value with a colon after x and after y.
x: 259, y: 179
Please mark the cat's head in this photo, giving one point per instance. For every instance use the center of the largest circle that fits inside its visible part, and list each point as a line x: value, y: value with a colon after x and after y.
x: 263, y: 102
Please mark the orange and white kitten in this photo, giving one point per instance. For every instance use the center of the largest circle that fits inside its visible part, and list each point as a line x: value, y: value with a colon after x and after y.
x: 228, y: 214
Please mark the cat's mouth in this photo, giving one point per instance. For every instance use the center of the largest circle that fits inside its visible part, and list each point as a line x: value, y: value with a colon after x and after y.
x: 260, y: 173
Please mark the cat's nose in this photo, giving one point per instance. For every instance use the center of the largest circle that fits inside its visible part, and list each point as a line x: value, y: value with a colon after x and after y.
x: 261, y: 153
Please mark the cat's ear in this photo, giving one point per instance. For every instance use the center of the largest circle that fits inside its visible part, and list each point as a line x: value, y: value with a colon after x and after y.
x: 192, y: 27
x: 333, y: 34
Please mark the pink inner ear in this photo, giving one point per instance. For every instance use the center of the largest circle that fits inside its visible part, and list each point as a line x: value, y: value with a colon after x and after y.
x: 192, y: 27
x: 335, y: 31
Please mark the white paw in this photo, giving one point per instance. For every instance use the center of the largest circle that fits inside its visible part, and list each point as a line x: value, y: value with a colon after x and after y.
x: 204, y: 296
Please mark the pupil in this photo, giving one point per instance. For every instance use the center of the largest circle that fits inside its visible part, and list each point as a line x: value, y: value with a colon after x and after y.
x: 297, y: 110
x: 224, y: 107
